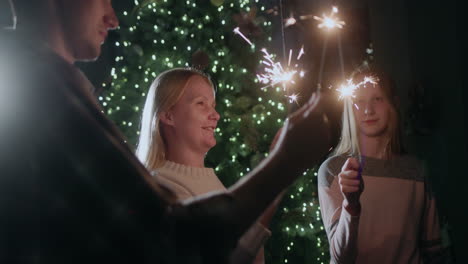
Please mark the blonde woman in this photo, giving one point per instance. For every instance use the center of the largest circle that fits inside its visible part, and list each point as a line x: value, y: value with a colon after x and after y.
x: 394, y: 218
x: 177, y: 130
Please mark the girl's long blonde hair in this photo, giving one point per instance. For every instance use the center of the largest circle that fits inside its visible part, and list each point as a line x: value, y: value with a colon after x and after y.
x: 163, y: 94
x: 349, y: 141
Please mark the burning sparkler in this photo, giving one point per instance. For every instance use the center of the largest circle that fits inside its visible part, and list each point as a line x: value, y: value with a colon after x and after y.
x: 347, y: 89
x: 274, y: 72
x: 289, y: 21
x: 330, y: 21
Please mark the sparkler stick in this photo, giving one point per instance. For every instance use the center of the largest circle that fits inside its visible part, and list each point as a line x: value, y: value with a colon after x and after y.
x: 346, y: 92
x: 340, y: 51
x: 282, y: 29
x: 322, y: 62
x: 289, y: 60
x: 301, y: 52
x: 328, y: 22
x: 237, y: 31
x: 361, y: 168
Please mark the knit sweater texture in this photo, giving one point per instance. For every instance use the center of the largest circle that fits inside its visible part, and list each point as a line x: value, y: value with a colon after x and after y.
x: 398, y: 222
x: 187, y: 182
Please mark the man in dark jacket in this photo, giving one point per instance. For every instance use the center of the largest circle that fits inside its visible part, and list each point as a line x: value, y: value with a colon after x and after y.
x: 71, y: 191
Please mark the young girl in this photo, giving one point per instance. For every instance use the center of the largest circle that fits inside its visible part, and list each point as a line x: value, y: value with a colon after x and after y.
x: 394, y: 218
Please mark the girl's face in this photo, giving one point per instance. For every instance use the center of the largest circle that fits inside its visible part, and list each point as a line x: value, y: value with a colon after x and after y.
x: 372, y: 111
x: 193, y: 118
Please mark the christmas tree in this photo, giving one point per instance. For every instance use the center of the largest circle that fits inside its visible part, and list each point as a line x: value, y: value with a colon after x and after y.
x: 157, y: 35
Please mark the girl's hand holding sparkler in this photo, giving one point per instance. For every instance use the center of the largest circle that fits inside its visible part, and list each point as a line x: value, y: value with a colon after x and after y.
x: 351, y: 186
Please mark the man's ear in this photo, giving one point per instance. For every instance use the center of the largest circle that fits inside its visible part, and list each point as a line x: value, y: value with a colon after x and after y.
x: 166, y: 118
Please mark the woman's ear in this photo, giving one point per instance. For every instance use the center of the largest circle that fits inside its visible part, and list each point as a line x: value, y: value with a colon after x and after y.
x: 166, y: 118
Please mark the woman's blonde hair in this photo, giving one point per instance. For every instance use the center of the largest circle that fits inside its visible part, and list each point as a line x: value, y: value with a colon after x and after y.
x: 349, y: 141
x: 163, y: 94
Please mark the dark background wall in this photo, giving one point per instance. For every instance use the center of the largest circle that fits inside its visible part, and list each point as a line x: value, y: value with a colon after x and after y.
x: 419, y: 43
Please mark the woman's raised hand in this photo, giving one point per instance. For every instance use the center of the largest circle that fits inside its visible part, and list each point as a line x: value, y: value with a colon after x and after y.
x: 306, y: 136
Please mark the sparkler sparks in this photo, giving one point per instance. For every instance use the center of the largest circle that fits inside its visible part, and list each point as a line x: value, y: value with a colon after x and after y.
x: 237, y: 31
x: 293, y: 98
x: 274, y: 72
x: 301, y: 52
x: 347, y: 89
x: 330, y: 21
x: 289, y: 21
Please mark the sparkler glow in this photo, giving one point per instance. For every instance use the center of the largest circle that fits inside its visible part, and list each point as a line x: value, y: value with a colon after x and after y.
x: 301, y: 52
x: 289, y: 21
x: 330, y: 21
x: 274, y: 72
x: 292, y: 98
x: 347, y: 89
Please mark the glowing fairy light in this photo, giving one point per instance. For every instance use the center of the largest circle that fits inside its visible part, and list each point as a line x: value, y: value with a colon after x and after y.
x: 347, y: 89
x: 274, y: 73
